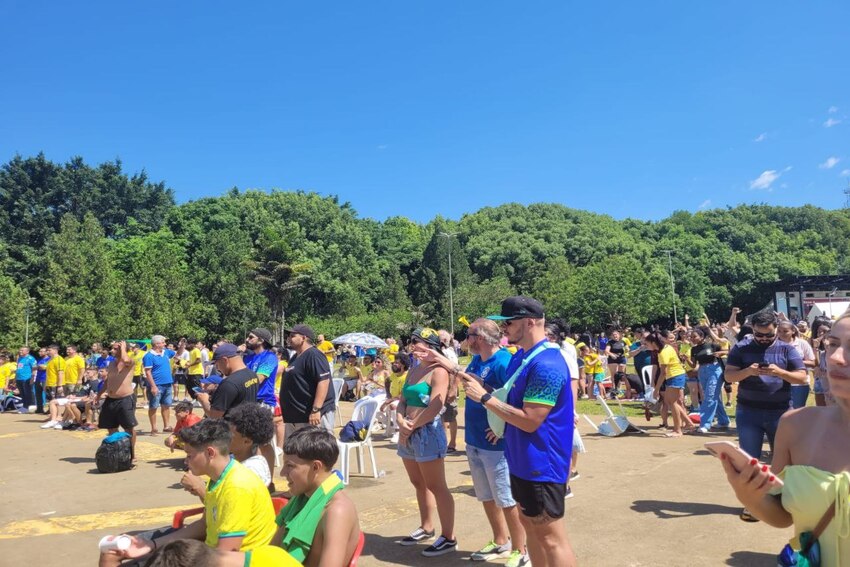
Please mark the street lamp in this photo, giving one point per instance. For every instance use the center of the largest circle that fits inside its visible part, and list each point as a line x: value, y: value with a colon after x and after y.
x: 27, y: 328
x: 672, y: 284
x: 448, y: 236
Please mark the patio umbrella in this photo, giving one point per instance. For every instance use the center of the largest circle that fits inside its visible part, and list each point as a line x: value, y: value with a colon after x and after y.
x: 364, y: 340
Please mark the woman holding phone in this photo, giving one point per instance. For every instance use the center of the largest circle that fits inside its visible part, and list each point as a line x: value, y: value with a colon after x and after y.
x: 812, y: 457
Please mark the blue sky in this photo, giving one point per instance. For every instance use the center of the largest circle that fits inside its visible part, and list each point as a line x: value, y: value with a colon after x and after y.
x: 423, y: 108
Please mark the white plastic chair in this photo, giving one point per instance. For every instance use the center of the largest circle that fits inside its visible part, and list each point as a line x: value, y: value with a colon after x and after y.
x: 338, y: 383
x: 364, y: 410
x: 647, y: 374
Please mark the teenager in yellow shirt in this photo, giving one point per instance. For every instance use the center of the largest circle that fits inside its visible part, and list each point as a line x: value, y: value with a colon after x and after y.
x: 75, y: 366
x: 7, y: 370
x: 55, y: 374
x: 672, y: 376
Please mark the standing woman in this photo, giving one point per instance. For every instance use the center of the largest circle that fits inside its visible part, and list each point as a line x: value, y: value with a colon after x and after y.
x: 789, y: 333
x: 422, y: 445
x: 672, y: 375
x: 615, y: 350
x: 820, y: 329
x: 812, y: 457
x: 705, y: 357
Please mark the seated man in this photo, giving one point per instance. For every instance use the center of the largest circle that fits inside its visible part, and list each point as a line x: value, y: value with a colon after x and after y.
x: 68, y: 408
x: 185, y: 418
x: 319, y: 525
x: 238, y: 516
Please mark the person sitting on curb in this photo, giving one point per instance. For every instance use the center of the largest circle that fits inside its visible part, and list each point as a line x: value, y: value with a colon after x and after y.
x: 185, y: 418
x: 238, y: 514
x: 319, y: 524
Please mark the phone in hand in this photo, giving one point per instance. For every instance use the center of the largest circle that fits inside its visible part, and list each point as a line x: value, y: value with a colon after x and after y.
x: 737, y: 456
x: 198, y: 390
x: 764, y: 365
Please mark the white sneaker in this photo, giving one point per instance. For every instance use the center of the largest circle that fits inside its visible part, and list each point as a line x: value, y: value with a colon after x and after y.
x: 58, y: 426
x: 49, y: 424
x: 394, y: 438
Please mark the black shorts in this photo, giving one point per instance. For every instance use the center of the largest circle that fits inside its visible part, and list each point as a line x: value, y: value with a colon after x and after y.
x: 450, y: 415
x: 537, y: 498
x: 118, y: 412
x: 616, y: 359
x: 193, y: 381
x: 179, y: 378
x: 81, y: 406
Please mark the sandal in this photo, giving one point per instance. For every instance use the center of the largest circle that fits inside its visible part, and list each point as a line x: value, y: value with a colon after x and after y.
x: 747, y: 517
x: 168, y: 430
x: 672, y: 434
x: 153, y: 433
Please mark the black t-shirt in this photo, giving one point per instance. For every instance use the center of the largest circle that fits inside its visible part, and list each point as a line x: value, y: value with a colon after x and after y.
x: 238, y: 388
x: 617, y: 348
x: 704, y: 353
x: 298, y: 388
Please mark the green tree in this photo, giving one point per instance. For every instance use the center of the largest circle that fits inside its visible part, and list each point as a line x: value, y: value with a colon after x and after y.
x: 81, y: 296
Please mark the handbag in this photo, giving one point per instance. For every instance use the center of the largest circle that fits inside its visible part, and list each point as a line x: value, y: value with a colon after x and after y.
x: 809, y: 552
x: 496, y: 423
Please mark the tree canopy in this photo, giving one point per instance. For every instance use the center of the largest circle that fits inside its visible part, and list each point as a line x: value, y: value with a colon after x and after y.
x: 103, y: 254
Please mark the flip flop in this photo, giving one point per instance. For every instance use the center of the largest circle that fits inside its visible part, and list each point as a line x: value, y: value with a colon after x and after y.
x: 153, y: 433
x: 672, y: 435
x: 747, y: 517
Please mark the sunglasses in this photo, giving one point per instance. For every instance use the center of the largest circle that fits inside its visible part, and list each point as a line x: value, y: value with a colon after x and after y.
x: 470, y: 335
x: 764, y: 335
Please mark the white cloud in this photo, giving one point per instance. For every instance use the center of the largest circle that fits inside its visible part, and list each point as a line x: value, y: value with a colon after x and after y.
x: 845, y: 173
x: 761, y: 137
x: 704, y: 205
x: 833, y: 109
x: 383, y: 146
x: 766, y: 179
x: 830, y: 122
x: 830, y: 162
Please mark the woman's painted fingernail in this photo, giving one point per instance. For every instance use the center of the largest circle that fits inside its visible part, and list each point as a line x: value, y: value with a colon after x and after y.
x: 772, y: 478
x: 754, y: 461
x: 722, y: 456
x: 764, y: 468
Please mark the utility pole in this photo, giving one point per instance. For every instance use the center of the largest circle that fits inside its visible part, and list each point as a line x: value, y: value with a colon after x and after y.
x: 448, y: 236
x: 27, y: 331
x: 672, y: 284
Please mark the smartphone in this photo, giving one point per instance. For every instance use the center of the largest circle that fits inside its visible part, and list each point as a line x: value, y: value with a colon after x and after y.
x: 763, y: 364
x: 737, y: 456
x: 197, y: 390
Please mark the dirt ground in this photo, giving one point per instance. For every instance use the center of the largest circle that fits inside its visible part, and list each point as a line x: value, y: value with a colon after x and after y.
x: 642, y: 500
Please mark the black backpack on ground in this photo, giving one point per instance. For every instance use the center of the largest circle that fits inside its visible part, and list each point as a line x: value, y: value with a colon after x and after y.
x: 114, y: 453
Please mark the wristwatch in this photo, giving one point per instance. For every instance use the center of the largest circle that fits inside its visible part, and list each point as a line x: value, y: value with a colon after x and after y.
x: 485, y: 397
x: 316, y: 410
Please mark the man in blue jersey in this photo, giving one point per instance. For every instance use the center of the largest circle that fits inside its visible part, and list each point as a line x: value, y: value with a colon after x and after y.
x: 263, y: 361
x: 538, y: 416
x: 25, y: 377
x: 157, y: 365
x: 40, y: 379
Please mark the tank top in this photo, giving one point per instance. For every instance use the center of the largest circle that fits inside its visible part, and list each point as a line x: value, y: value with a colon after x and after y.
x: 413, y: 393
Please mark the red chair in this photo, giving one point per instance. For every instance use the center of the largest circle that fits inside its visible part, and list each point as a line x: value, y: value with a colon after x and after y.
x: 180, y: 516
x: 358, y: 550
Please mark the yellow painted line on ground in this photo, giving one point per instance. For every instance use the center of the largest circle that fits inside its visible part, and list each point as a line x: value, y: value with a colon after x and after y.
x: 9, y: 435
x: 150, y: 518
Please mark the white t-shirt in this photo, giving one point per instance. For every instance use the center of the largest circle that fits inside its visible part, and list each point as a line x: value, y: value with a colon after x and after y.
x: 260, y: 466
x: 806, y: 353
x: 568, y: 351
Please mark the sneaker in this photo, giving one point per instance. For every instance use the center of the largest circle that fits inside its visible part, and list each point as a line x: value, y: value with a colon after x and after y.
x: 584, y: 396
x: 394, y: 438
x: 720, y: 428
x: 59, y: 426
x: 491, y: 551
x: 568, y: 494
x: 703, y: 430
x: 418, y: 535
x: 23, y: 410
x: 518, y: 559
x: 728, y: 404
x: 440, y: 547
x: 574, y: 475
x: 49, y: 424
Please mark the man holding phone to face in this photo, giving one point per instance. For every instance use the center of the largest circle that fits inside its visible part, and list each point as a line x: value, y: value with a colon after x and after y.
x: 764, y: 367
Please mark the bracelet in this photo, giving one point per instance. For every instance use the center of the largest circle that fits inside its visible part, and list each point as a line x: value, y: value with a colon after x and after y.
x: 485, y: 398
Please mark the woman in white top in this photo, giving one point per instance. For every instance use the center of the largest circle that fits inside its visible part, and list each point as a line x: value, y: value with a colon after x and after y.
x: 789, y: 333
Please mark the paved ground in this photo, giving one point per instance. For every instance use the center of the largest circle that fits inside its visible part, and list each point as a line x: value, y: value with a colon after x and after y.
x: 642, y: 500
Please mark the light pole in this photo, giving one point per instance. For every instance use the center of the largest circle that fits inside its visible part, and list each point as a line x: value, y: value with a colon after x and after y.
x: 27, y: 328
x: 672, y: 284
x: 448, y: 236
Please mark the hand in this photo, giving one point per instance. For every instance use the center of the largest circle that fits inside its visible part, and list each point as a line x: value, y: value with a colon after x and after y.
x: 202, y: 396
x: 490, y: 436
x: 405, y: 426
x: 154, y: 390
x: 474, y: 390
x: 736, y: 310
x: 771, y: 370
x: 191, y: 483
x: 139, y: 547
x: 315, y: 418
x: 752, y: 483
x: 426, y: 355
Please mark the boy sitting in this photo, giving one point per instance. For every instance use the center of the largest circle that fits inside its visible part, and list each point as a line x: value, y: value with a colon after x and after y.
x: 238, y: 515
x: 185, y: 418
x: 319, y: 524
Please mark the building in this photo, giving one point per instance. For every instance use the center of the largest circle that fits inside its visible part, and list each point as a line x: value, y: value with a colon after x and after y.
x: 806, y: 297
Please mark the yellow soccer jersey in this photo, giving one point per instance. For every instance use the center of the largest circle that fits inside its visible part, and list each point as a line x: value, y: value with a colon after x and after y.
x: 238, y: 505
x: 269, y: 556
x: 327, y: 348
x: 137, y: 360
x: 195, y: 365
x: 74, y: 368
x: 56, y: 364
x: 7, y: 371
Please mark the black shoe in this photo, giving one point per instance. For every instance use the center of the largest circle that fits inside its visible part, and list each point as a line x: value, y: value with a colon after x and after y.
x: 440, y: 547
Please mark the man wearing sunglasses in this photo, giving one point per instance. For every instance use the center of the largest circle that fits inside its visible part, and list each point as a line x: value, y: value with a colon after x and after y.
x: 764, y: 367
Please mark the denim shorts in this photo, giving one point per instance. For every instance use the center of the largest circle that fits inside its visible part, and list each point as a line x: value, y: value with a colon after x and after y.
x: 428, y: 443
x: 676, y: 381
x: 164, y: 397
x: 490, y: 476
x: 819, y: 386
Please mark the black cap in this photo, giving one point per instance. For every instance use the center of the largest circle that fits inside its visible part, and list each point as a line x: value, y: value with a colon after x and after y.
x: 263, y: 334
x: 519, y: 307
x: 428, y: 336
x: 305, y: 330
x: 225, y: 350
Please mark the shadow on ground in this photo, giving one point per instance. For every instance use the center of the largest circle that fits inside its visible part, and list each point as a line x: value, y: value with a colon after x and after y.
x: 386, y: 550
x: 78, y: 460
x: 751, y: 559
x: 669, y: 510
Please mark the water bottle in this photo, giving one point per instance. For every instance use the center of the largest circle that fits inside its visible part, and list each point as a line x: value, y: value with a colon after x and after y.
x: 425, y: 399
x: 382, y: 473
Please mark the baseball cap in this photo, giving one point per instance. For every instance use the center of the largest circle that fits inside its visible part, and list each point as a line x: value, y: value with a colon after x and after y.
x: 519, y: 307
x: 212, y: 379
x: 263, y: 334
x: 305, y: 330
x: 428, y: 336
x: 225, y: 350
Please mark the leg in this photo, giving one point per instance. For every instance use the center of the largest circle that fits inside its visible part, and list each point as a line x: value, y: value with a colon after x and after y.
x: 548, y: 537
x: 434, y: 473
x: 708, y: 407
x: 39, y: 397
x: 424, y: 497
x: 496, y: 517
x: 750, y: 431
x: 671, y: 398
x: 267, y: 451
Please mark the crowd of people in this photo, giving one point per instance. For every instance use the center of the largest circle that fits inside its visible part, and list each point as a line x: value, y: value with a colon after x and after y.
x: 243, y: 404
